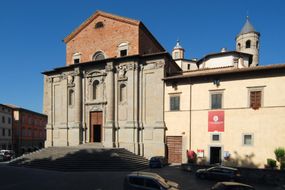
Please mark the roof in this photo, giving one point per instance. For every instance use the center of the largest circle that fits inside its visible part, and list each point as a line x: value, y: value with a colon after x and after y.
x: 178, y: 46
x: 222, y: 53
x: 14, y: 107
x: 247, y: 27
x: 225, y: 70
x: 95, y: 15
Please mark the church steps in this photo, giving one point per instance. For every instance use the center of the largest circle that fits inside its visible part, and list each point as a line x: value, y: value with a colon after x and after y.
x: 82, y: 158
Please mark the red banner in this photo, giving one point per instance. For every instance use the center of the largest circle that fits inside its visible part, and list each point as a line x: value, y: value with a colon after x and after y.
x: 216, y: 121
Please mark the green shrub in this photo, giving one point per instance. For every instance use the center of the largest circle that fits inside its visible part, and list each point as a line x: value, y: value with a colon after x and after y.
x: 280, y: 154
x: 271, y: 163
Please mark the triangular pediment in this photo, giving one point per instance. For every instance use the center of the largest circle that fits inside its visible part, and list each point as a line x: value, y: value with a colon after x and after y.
x: 93, y: 17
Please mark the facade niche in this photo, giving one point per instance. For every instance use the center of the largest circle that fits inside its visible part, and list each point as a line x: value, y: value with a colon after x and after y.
x: 95, y: 90
x: 123, y: 92
x: 71, y: 97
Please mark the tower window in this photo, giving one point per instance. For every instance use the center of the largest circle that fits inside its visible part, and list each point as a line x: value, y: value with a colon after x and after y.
x: 257, y: 44
x: 239, y: 46
x: 98, y: 56
x: 247, y: 44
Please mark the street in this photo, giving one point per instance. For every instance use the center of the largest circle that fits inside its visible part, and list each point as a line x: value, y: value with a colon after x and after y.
x: 13, y: 178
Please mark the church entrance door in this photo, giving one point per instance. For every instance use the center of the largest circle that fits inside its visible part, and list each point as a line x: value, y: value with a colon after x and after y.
x: 96, y: 122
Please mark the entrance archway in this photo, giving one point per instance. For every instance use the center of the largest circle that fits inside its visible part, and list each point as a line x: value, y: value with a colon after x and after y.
x: 96, y: 122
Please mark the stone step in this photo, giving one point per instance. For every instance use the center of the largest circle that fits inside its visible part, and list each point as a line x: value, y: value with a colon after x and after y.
x: 88, y: 157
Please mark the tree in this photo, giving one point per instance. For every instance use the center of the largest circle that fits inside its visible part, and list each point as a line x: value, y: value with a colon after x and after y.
x: 280, y: 155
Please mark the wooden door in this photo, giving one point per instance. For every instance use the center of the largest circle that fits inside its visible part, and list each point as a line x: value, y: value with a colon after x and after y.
x: 96, y: 122
x: 174, y: 149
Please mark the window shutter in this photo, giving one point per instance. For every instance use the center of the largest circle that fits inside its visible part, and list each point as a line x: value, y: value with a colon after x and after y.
x: 255, y: 99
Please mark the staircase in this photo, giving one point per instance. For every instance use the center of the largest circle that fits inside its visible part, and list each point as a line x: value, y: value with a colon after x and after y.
x: 87, y: 157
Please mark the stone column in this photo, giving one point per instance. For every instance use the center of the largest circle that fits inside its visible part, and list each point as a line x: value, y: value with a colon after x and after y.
x: 109, y: 133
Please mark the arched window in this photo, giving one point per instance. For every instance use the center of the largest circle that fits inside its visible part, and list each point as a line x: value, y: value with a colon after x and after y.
x: 123, y: 92
x: 71, y: 97
x: 239, y: 46
x: 95, y: 90
x: 99, y: 55
x: 257, y: 44
x: 247, y: 44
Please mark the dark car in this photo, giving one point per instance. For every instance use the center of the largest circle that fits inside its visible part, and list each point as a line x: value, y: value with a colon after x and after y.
x: 219, y: 173
x: 148, y: 181
x: 157, y: 162
x: 231, y: 186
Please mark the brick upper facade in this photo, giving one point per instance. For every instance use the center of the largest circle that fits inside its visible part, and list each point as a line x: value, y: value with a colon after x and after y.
x: 88, y: 39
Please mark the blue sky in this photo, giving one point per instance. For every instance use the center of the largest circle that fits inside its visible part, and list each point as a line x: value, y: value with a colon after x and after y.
x: 32, y: 31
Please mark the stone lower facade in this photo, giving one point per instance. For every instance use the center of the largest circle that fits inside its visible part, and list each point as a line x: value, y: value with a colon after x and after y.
x: 116, y: 102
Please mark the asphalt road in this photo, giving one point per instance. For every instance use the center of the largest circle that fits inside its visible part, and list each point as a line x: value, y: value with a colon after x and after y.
x: 13, y: 178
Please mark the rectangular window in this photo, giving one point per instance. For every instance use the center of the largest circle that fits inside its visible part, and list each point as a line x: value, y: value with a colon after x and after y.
x: 255, y: 99
x: 3, y: 119
x: 75, y: 61
x: 9, y: 132
x: 9, y: 120
x: 247, y: 139
x: 3, y: 132
x: 123, y: 53
x: 174, y: 103
x: 216, y: 100
x: 215, y: 137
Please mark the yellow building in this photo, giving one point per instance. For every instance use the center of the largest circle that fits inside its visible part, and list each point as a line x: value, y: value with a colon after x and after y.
x: 229, y: 110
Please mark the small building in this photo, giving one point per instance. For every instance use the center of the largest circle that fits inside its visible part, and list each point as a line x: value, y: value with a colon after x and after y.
x: 5, y: 127
x: 29, y: 133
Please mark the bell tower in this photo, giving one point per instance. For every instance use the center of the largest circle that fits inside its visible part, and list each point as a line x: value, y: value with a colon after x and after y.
x: 247, y: 41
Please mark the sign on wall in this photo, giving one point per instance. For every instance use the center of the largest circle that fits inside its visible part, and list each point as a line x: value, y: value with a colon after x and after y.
x: 216, y: 121
x: 200, y: 153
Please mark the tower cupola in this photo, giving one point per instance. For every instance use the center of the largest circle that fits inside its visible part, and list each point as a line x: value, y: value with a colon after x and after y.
x: 178, y: 51
x: 247, y: 41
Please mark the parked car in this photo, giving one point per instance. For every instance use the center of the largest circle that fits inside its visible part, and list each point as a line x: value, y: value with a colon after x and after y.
x: 219, y: 173
x: 7, y: 155
x: 231, y: 186
x: 148, y: 181
x: 157, y: 162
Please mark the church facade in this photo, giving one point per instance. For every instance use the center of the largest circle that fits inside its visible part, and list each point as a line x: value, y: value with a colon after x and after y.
x: 110, y: 90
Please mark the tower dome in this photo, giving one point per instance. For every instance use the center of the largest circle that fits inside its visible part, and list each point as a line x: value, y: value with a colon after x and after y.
x: 247, y: 41
x: 178, y: 51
